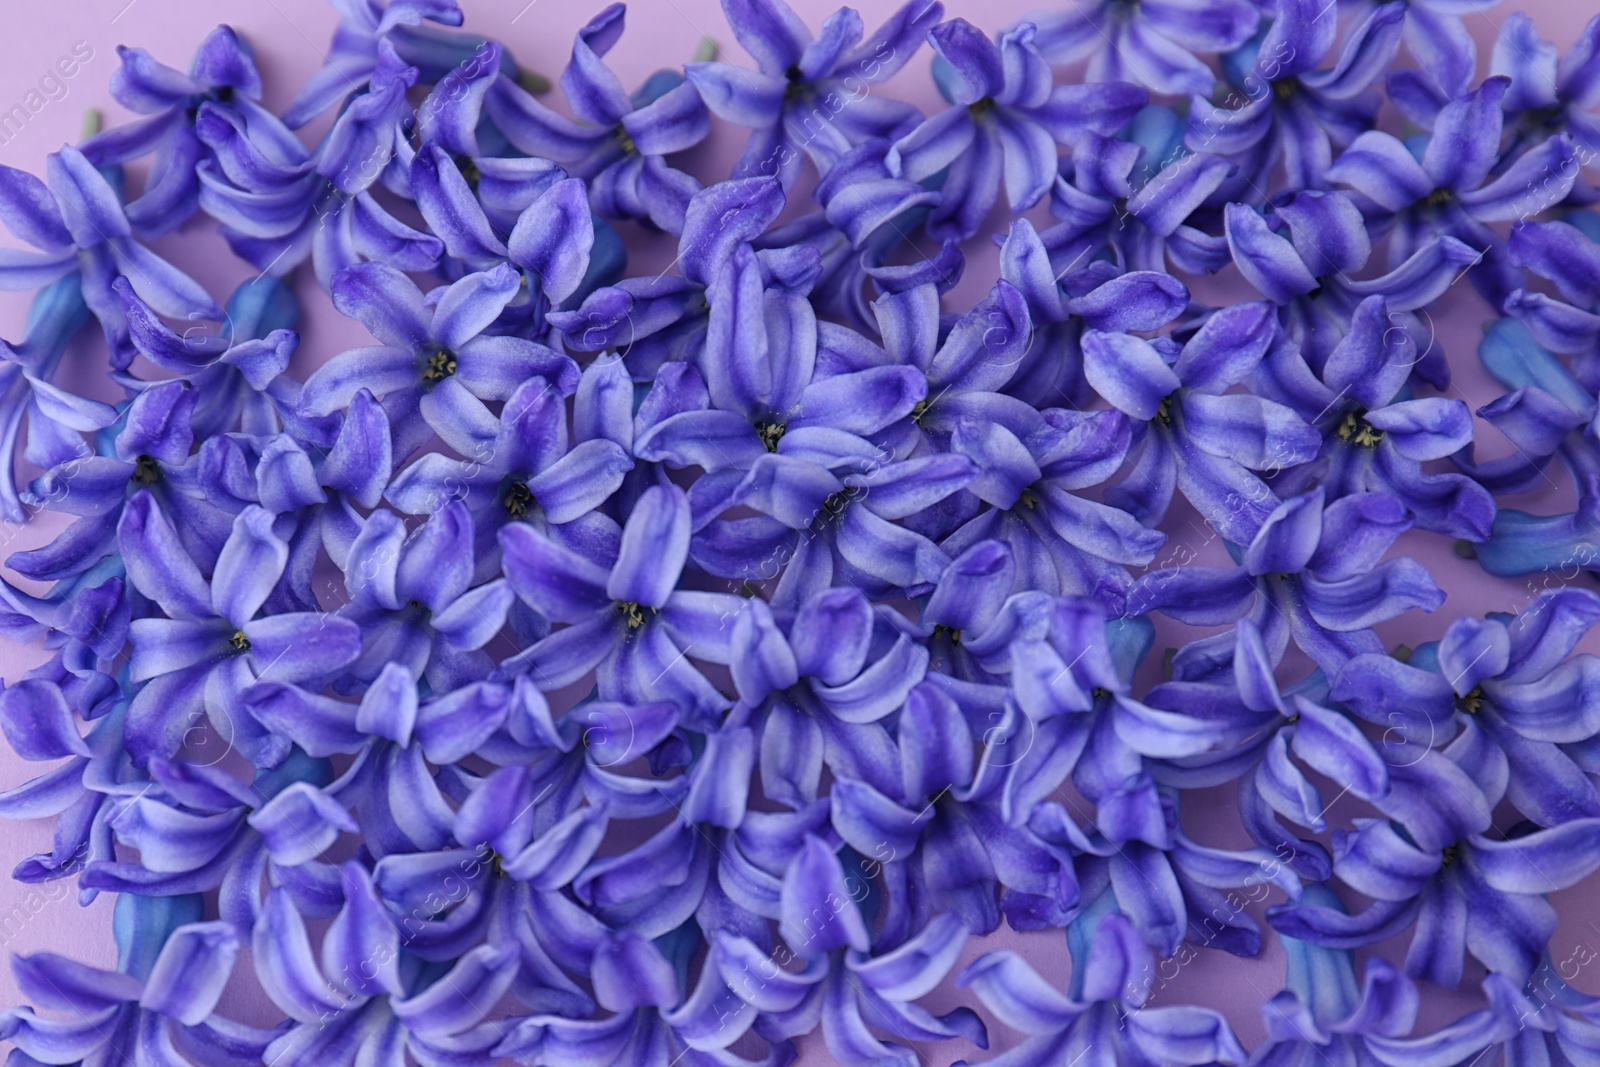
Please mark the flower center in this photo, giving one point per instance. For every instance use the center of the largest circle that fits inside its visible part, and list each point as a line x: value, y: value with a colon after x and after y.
x: 469, y: 172
x: 625, y: 142
x: 145, y: 471
x: 1164, y: 409
x: 1440, y: 197
x: 1473, y: 702
x: 948, y: 632
x: 771, y: 433
x: 1285, y: 89
x: 1028, y: 500
x: 1358, y: 431
x: 239, y: 641
x: 632, y: 613
x: 1448, y: 856
x: 440, y: 365
x: 518, y: 499
x: 920, y: 410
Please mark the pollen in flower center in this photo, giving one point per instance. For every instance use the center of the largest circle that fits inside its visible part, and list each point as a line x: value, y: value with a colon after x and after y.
x: 1358, y: 431
x: 145, y: 471
x: 1164, y: 410
x: 440, y: 365
x: 1440, y: 197
x: 518, y: 499
x: 1472, y: 703
x: 771, y: 433
x: 239, y: 641
x: 625, y: 142
x: 632, y: 613
x: 1285, y: 89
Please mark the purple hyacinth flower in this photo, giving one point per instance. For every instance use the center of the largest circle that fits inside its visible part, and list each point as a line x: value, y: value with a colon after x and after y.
x: 1290, y: 111
x: 151, y: 455
x: 1156, y: 45
x: 1302, y: 252
x: 530, y: 474
x: 628, y: 620
x: 1451, y: 189
x: 211, y: 646
x: 356, y: 1003
x: 79, y: 226
x: 1544, y: 1019
x: 807, y: 688
x: 1189, y: 434
x: 279, y: 204
x: 1548, y: 94
x: 654, y: 1017
x: 1568, y: 256
x: 1430, y: 864
x: 1314, y: 575
x: 1003, y: 127
x: 434, y: 360
x: 1521, y: 686
x: 852, y: 984
x: 1107, y: 1011
x: 1375, y: 436
x: 114, y: 1017
x: 56, y: 418
x: 223, y: 73
x: 811, y: 96
x: 659, y: 320
x: 1322, y: 1011
x: 1280, y: 733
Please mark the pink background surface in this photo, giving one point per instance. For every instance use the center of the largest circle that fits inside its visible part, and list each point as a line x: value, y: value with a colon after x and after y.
x: 290, y: 38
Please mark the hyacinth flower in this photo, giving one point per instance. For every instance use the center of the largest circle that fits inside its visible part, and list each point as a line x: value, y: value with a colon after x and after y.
x: 1063, y: 302
x: 413, y: 602
x: 238, y: 377
x: 1314, y: 574
x: 619, y: 142
x: 655, y: 1021
x: 39, y: 716
x: 1429, y: 865
x: 1518, y: 681
x: 365, y: 999
x: 1137, y: 201
x: 1544, y: 1021
x: 1062, y: 543
x: 1375, y: 435
x: 223, y: 73
x: 1106, y: 1011
x: 1190, y: 434
x: 1293, y: 112
x: 850, y: 984
x: 1003, y: 127
x: 364, y: 27
x: 56, y: 418
x: 811, y: 96
x: 198, y: 828
x: 1567, y: 256
x: 1155, y: 45
x: 211, y: 646
x: 1451, y: 191
x: 1322, y: 1013
x: 1301, y: 253
x: 1281, y: 734
x: 865, y: 213
x: 653, y: 321
x: 629, y: 622
x: 279, y: 204
x: 435, y: 366
x: 532, y: 474
x: 764, y: 402
x: 116, y: 1018
x: 1549, y: 94
x: 79, y: 227
x: 815, y: 701
x: 150, y: 455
